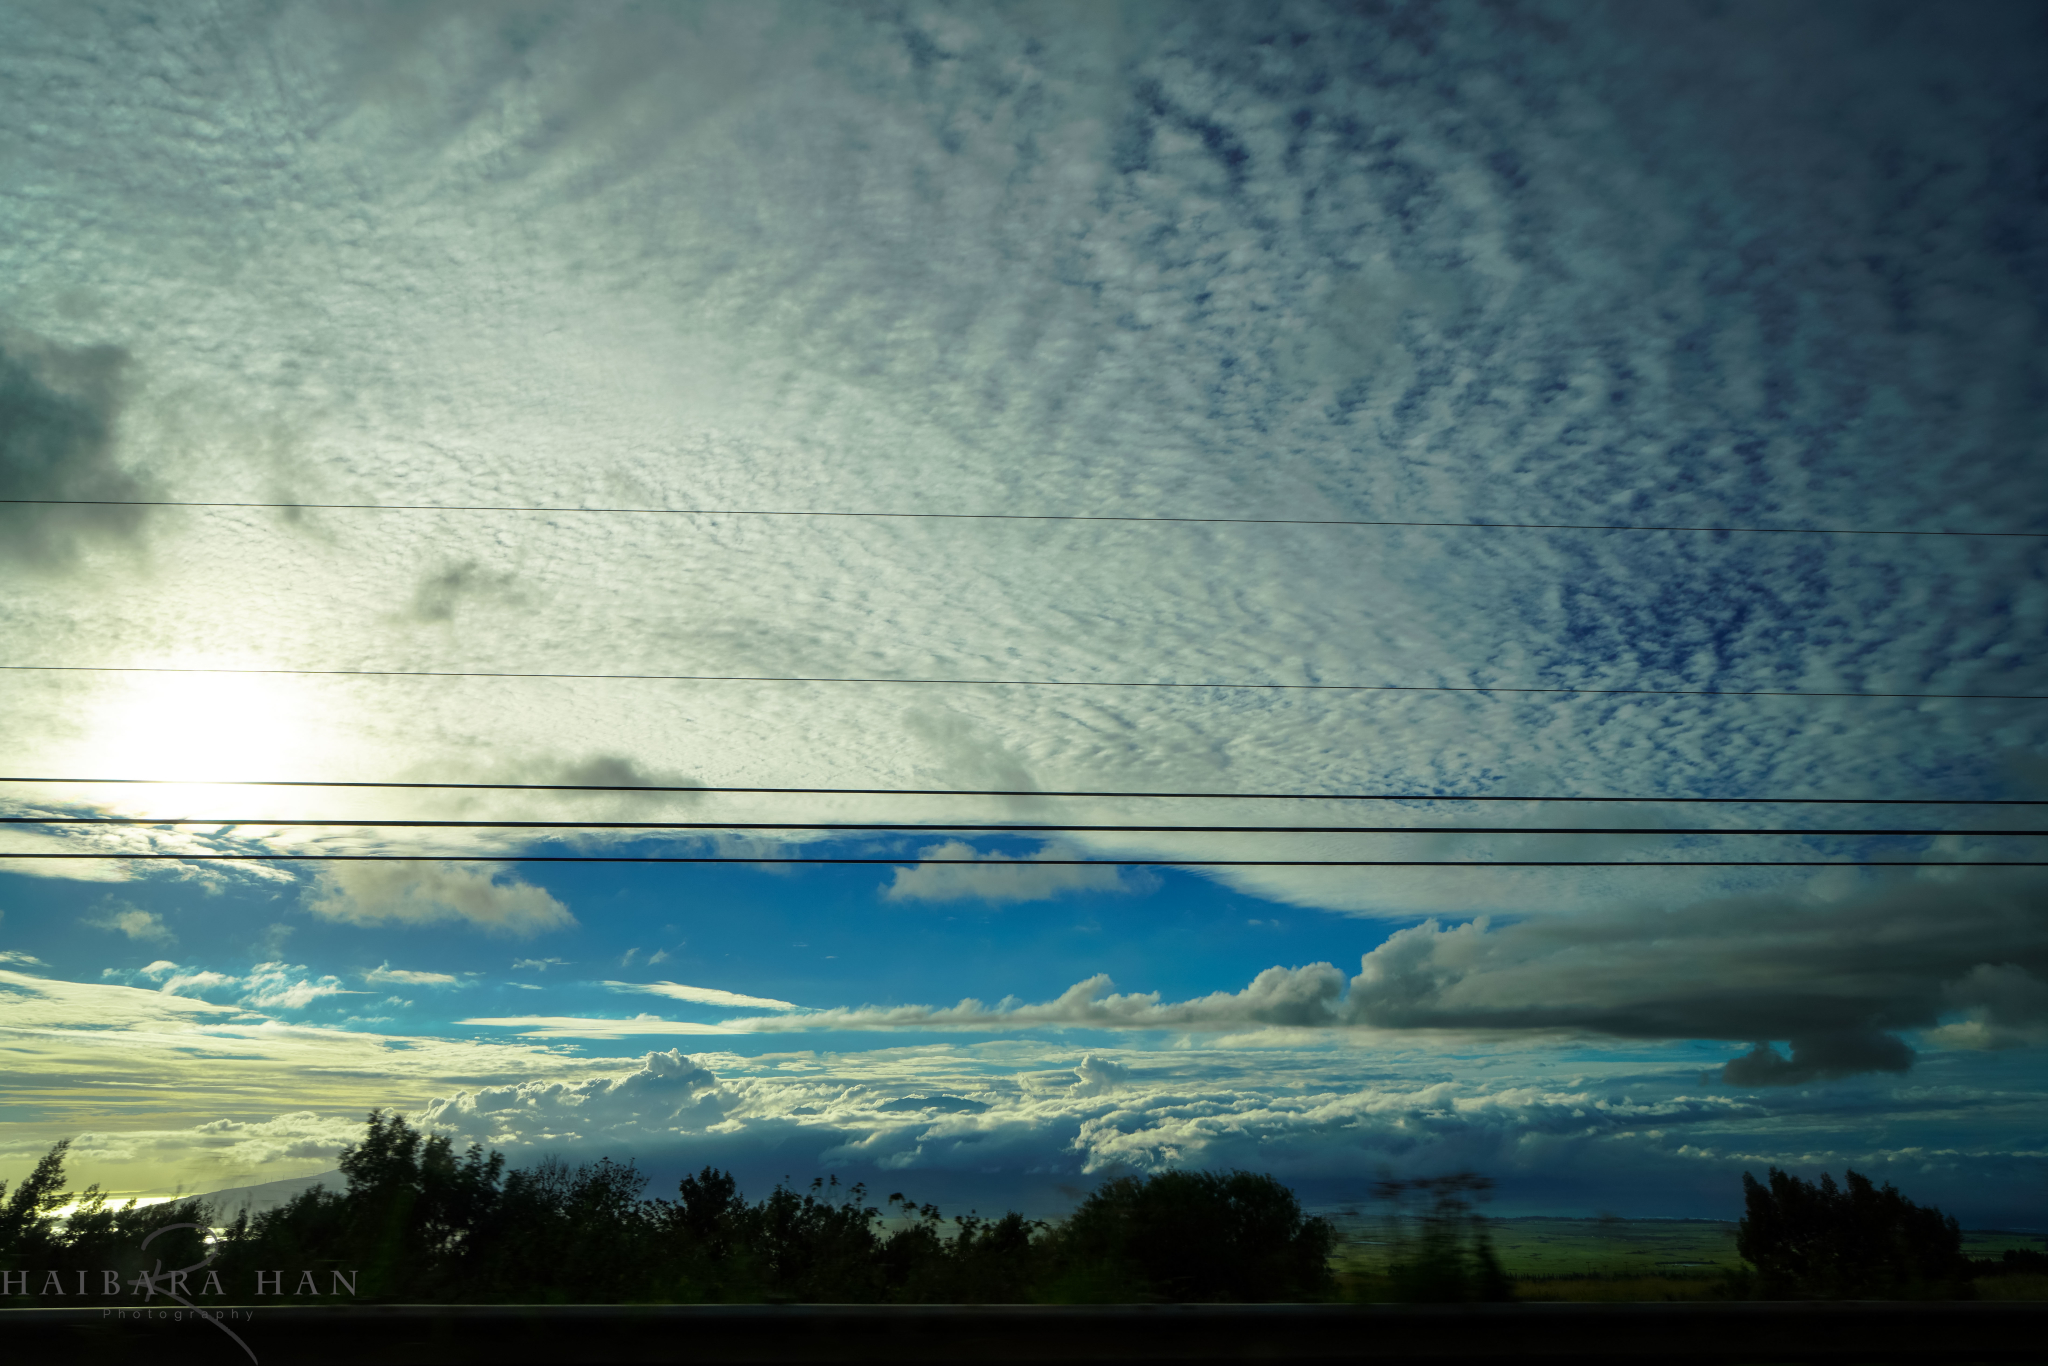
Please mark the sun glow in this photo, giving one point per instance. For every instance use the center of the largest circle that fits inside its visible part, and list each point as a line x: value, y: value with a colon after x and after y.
x: 198, y: 730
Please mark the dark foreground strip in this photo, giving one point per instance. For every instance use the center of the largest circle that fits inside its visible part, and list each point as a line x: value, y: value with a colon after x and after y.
x: 418, y: 1335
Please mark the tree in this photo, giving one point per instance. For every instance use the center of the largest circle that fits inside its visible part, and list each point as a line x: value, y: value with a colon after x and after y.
x: 1443, y: 1253
x: 24, y: 1219
x: 406, y: 1222
x: 1810, y: 1240
x: 1183, y: 1236
x: 94, y: 1237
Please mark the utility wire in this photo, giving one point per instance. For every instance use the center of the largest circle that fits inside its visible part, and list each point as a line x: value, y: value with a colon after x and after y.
x: 1063, y: 862
x: 1024, y: 792
x: 359, y: 823
x: 996, y: 517
x: 1013, y: 682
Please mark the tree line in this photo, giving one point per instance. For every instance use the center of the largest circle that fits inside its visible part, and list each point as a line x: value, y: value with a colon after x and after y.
x: 417, y: 1222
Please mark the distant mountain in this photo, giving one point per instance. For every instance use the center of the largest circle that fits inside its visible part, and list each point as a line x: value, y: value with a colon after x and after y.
x: 269, y: 1195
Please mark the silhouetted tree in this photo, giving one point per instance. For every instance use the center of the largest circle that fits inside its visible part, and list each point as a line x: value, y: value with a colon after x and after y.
x: 95, y: 1237
x: 1443, y: 1252
x: 1810, y: 1240
x: 417, y: 1222
x: 1191, y: 1236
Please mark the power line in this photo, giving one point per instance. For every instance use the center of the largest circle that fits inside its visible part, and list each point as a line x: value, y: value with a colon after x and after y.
x: 1026, y: 792
x: 996, y: 517
x: 1013, y: 682
x: 1011, y: 829
x: 1060, y: 862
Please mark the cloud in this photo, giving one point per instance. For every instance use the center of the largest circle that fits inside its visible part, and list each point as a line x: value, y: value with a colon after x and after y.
x: 710, y: 996
x: 276, y: 986
x: 58, y: 412
x: 1820, y: 1057
x: 1830, y: 977
x: 267, y: 986
x: 668, y: 1091
x: 1652, y: 1140
x: 1833, y: 977
x: 2004, y: 1006
x: 124, y: 918
x: 16, y: 958
x: 1101, y: 1077
x: 180, y: 983
x: 440, y: 594
x: 539, y: 964
x: 390, y: 976
x: 616, y: 771
x: 1287, y: 997
x: 422, y: 894
x: 580, y: 1027
x: 1136, y: 262
x: 974, y: 876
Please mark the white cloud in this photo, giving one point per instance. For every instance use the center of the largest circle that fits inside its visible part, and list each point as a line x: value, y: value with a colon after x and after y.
x: 1285, y: 997
x: 1101, y: 1077
x: 667, y: 1092
x: 1308, y: 1118
x: 710, y: 996
x: 539, y: 964
x: 267, y: 986
x: 579, y: 1027
x: 977, y: 876
x: 16, y: 958
x: 387, y: 975
x: 423, y: 894
x: 124, y: 918
x: 180, y: 983
x: 99, y: 1043
x: 276, y: 986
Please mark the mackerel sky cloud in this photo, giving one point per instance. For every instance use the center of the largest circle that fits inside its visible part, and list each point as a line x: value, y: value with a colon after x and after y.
x: 1434, y: 295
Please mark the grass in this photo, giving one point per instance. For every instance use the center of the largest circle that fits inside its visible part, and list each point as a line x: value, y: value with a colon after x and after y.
x: 1631, y: 1260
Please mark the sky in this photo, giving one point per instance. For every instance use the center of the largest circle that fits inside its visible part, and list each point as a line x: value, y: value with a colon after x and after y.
x: 1364, y: 318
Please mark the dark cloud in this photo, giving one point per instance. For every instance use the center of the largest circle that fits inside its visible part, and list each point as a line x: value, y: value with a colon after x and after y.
x: 1820, y: 1057
x: 1830, y: 977
x: 443, y: 592
x: 614, y: 770
x: 58, y: 411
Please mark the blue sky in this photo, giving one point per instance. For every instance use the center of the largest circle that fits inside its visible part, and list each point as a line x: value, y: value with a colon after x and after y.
x: 1649, y: 264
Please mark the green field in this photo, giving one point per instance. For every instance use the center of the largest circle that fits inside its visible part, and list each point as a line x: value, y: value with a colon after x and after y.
x: 1539, y: 1248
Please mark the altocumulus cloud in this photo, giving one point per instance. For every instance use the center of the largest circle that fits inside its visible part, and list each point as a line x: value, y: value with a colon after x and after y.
x: 424, y: 894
